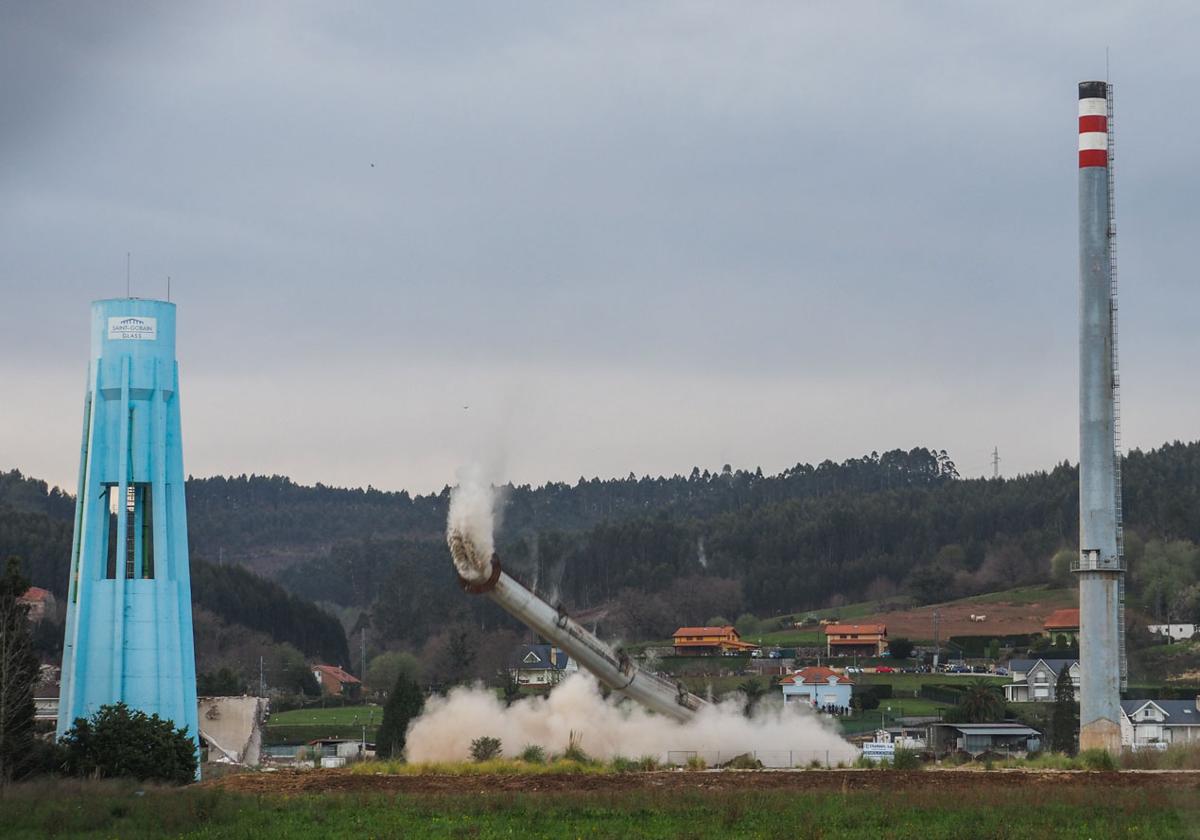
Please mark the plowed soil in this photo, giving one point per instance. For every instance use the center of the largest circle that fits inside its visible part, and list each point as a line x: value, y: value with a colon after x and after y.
x: 334, y: 781
x: 1000, y: 619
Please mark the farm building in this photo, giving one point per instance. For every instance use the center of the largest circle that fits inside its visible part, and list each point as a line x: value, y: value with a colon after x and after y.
x: 1155, y: 724
x: 979, y: 738
x: 820, y: 687
x: 540, y: 665
x: 1062, y: 627
x: 855, y: 639
x: 1033, y: 680
x: 709, y: 640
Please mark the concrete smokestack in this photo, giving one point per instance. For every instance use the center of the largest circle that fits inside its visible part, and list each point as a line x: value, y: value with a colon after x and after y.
x: 1101, y: 566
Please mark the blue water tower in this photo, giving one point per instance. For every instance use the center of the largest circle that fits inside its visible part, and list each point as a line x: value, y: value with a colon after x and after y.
x: 129, y: 602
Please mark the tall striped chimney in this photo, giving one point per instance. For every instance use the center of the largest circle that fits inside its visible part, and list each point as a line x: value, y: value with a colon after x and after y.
x: 1100, y: 567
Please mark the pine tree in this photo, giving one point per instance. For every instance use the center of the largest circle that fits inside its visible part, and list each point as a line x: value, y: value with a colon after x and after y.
x: 403, y: 705
x: 1064, y: 722
x: 18, y: 674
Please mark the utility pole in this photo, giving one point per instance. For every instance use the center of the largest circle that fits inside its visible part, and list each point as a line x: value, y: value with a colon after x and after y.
x: 262, y: 691
x: 937, y: 648
x: 996, y: 462
x: 362, y: 675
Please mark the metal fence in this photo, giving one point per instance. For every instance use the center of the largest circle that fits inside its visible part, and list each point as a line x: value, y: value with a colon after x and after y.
x: 770, y: 759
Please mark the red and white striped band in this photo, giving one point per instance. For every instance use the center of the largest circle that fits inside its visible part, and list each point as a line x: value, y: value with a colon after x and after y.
x: 1093, y: 125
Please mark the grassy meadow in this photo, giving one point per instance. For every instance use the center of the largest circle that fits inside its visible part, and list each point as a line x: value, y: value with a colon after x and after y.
x: 105, y: 810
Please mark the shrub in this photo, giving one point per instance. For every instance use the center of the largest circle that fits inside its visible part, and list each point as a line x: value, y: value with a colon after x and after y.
x: 745, y: 761
x: 533, y: 754
x: 119, y: 741
x: 1096, y: 759
x: 696, y: 762
x: 485, y: 748
x: 621, y: 764
x: 574, y: 752
x: 647, y: 763
x: 906, y: 760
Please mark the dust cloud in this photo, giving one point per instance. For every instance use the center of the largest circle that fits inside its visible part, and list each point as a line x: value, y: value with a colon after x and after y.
x: 778, y: 735
x: 471, y: 524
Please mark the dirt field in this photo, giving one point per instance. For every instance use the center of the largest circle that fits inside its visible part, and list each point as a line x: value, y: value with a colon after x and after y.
x: 1003, y: 619
x: 333, y: 781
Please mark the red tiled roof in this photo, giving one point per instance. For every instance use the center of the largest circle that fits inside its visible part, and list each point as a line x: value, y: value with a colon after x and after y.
x: 728, y: 630
x: 815, y: 676
x: 842, y: 629
x: 336, y: 672
x: 1067, y: 619
x: 35, y: 593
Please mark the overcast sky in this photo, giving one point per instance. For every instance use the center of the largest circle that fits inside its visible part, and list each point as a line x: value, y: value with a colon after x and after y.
x: 591, y: 238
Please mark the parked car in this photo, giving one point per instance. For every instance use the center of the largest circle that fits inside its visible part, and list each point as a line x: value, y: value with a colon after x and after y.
x: 1001, y: 672
x: 885, y: 669
x: 853, y: 669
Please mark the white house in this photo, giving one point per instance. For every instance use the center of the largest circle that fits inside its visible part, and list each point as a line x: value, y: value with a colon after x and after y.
x: 1174, y: 632
x: 541, y: 665
x: 820, y: 687
x: 1033, y: 680
x: 1151, y: 724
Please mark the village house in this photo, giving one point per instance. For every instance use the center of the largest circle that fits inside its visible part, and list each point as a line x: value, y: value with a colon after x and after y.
x: 693, y: 640
x: 855, y: 639
x: 40, y: 603
x: 540, y: 665
x: 1062, y: 627
x: 334, y: 681
x: 1174, y: 632
x: 1156, y: 724
x: 822, y: 687
x: 1033, y: 680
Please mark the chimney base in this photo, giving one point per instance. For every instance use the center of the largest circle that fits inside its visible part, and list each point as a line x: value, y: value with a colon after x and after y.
x: 1101, y: 734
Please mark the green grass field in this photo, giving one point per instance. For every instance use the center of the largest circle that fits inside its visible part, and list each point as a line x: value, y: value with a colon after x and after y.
x: 341, y: 716
x: 302, y: 725
x: 924, y: 813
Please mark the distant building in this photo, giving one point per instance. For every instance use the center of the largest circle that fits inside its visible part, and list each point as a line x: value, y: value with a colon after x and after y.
x: 709, y: 640
x: 540, y: 665
x: 1156, y: 724
x: 39, y: 601
x: 818, y: 686
x: 979, y: 738
x: 1033, y: 680
x: 1174, y: 632
x: 333, y: 680
x: 1062, y: 627
x: 855, y: 639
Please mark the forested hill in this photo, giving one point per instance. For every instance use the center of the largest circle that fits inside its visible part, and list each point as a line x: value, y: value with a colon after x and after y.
x: 36, y: 523
x: 269, y: 521
x: 809, y: 536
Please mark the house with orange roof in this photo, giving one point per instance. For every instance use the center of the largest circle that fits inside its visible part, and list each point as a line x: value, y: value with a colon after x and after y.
x: 707, y: 640
x: 818, y: 686
x: 1062, y: 627
x: 855, y: 639
x: 39, y: 603
x: 334, y: 681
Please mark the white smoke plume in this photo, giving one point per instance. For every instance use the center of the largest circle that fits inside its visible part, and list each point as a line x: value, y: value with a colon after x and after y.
x: 780, y: 735
x: 471, y: 524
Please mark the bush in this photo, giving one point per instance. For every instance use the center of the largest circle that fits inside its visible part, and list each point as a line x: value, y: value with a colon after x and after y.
x: 696, y: 762
x: 574, y: 752
x: 119, y: 741
x: 1096, y: 759
x: 647, y: 763
x: 533, y: 754
x: 485, y: 748
x: 906, y: 760
x: 745, y: 761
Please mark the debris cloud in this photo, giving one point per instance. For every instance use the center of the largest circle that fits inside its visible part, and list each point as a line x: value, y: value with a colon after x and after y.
x: 779, y: 735
x: 471, y: 524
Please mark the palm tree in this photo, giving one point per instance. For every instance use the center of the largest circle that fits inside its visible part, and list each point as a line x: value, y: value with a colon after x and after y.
x: 982, y: 703
x: 753, y: 690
